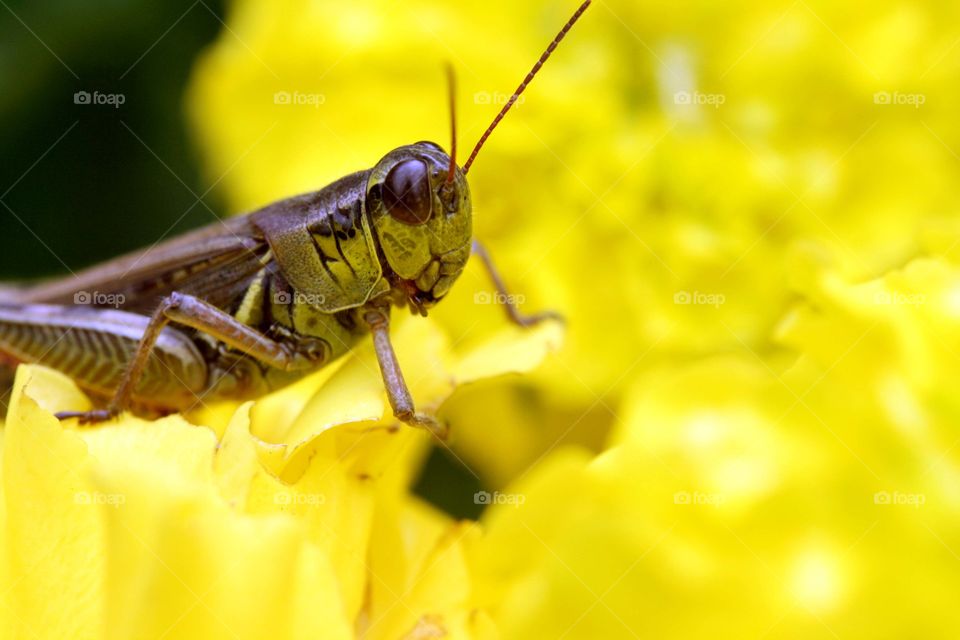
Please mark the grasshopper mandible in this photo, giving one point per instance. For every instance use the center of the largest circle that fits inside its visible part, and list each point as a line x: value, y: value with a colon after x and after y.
x: 246, y: 306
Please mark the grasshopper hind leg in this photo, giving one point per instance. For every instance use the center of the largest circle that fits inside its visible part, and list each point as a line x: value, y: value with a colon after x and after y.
x: 196, y: 314
x: 91, y: 345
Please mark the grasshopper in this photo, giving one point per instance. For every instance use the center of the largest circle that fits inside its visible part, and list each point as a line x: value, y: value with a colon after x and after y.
x: 251, y: 304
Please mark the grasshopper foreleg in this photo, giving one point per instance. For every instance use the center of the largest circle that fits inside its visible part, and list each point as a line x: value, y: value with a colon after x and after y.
x: 505, y: 298
x: 400, y: 399
x: 192, y: 312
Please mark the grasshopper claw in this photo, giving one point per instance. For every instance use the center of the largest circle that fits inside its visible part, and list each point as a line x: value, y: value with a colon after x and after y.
x: 440, y: 430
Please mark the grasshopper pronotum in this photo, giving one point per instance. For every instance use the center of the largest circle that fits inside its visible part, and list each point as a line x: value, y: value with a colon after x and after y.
x: 246, y: 306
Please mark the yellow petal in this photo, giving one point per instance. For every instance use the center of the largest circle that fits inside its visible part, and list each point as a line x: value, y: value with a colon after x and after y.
x: 54, y: 534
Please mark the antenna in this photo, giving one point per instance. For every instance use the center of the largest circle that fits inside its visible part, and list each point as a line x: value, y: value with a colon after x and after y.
x: 523, y: 85
x: 452, y: 91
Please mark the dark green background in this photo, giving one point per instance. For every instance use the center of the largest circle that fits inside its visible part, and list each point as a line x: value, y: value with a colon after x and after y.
x: 99, y: 191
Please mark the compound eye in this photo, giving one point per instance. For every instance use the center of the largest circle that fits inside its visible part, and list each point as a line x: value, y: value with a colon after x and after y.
x: 406, y: 193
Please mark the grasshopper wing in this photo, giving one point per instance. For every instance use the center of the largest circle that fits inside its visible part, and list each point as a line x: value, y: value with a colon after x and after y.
x: 215, y: 263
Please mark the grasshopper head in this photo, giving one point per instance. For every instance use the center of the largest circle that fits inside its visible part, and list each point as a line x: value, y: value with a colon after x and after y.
x: 421, y: 217
x: 419, y: 204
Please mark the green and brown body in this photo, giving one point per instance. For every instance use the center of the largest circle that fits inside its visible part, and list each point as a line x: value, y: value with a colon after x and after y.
x: 301, y: 272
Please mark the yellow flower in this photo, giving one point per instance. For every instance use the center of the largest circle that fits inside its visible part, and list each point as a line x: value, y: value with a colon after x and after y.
x: 295, y: 522
x: 754, y: 499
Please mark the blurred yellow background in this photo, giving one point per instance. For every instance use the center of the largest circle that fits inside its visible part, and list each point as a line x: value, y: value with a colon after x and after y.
x: 748, y: 213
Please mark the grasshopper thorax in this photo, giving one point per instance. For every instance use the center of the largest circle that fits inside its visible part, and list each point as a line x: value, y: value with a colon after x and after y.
x: 421, y: 222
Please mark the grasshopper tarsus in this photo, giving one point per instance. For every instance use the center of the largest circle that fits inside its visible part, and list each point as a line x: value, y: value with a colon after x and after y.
x: 95, y: 416
x: 439, y: 430
x: 528, y: 321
